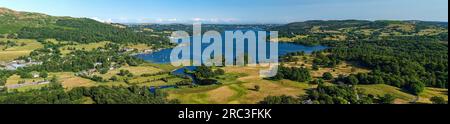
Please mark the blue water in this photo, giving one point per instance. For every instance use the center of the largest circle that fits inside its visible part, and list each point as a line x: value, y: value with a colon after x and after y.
x: 163, y: 56
x: 154, y: 89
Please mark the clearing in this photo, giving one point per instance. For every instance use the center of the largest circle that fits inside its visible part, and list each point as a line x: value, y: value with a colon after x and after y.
x: 22, y: 47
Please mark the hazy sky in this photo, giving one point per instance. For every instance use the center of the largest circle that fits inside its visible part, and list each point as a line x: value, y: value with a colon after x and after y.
x: 236, y: 11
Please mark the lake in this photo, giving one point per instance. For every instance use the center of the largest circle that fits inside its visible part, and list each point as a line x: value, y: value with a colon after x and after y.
x: 163, y: 56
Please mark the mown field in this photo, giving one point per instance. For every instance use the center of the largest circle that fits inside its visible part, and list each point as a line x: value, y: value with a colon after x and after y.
x: 87, y: 47
x: 239, y: 88
x: 23, y: 48
x: 69, y: 80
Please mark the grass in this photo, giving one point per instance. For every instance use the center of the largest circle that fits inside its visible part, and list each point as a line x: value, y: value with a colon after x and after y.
x: 87, y: 47
x: 432, y: 92
x: 238, y: 88
x: 15, y: 79
x: 67, y: 79
x: 15, y: 52
x: 403, y: 97
x: 70, y: 81
x: 136, y: 70
x: 137, y: 79
x: 28, y: 88
x: 297, y: 37
x: 383, y: 89
x: 240, y: 82
x: 345, y: 68
x: 139, y: 47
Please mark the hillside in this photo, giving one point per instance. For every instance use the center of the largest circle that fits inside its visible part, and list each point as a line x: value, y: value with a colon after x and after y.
x: 341, y: 30
x: 26, y: 25
x: 12, y: 21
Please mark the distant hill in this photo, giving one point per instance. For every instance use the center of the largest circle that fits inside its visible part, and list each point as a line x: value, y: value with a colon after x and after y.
x: 35, y: 25
x: 12, y: 21
x: 360, y: 29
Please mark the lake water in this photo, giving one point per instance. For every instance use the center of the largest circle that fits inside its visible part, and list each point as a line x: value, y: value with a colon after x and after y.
x: 163, y: 56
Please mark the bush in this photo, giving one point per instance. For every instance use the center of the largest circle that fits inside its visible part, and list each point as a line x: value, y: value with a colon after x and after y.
x: 43, y: 74
x: 257, y: 88
x: 327, y: 76
x: 438, y: 100
x: 387, y: 99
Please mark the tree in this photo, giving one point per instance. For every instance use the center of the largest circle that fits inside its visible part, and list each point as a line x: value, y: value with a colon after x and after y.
x: 280, y: 100
x: 43, y: 74
x: 415, y: 87
x: 219, y: 71
x: 24, y: 74
x: 97, y: 78
x: 204, y: 72
x: 352, y: 80
x: 130, y: 75
x: 327, y: 76
x: 438, y: 100
x: 114, y: 78
x: 123, y: 73
x: 279, y: 76
x: 103, y: 71
x: 387, y: 99
x: 257, y: 88
x: 3, y: 89
x: 315, y: 67
x: 317, y: 81
x: 54, y: 82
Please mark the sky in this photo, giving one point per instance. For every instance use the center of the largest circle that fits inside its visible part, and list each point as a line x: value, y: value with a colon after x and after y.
x: 236, y: 11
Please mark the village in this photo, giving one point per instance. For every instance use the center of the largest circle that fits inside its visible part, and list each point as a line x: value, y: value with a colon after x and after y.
x: 16, y: 64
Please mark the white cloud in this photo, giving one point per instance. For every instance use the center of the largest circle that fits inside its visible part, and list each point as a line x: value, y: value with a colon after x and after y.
x: 103, y: 20
x: 215, y: 20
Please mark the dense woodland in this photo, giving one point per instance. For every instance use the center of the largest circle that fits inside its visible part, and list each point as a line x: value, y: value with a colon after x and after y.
x: 408, y: 62
x: 88, y: 31
x: 293, y: 73
x: 411, y: 65
x: 55, y: 94
x: 204, y: 75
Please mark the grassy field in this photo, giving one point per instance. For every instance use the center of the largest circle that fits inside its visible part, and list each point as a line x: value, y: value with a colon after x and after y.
x: 137, y: 79
x: 69, y: 80
x: 238, y: 88
x: 297, y: 37
x: 240, y: 82
x: 403, y: 97
x: 87, y: 47
x: 239, y: 85
x: 345, y: 68
x: 432, y: 92
x: 15, y: 79
x: 24, y: 48
x: 139, y: 47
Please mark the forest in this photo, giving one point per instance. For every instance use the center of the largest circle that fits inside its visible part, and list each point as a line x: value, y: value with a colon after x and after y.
x: 411, y: 62
x: 84, y: 30
x: 55, y: 94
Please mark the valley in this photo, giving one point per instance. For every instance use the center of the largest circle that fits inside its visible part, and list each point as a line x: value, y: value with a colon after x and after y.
x: 322, y: 62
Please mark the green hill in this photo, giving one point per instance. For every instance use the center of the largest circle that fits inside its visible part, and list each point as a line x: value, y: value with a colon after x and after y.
x: 12, y: 21
x: 359, y: 29
x: 28, y: 25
